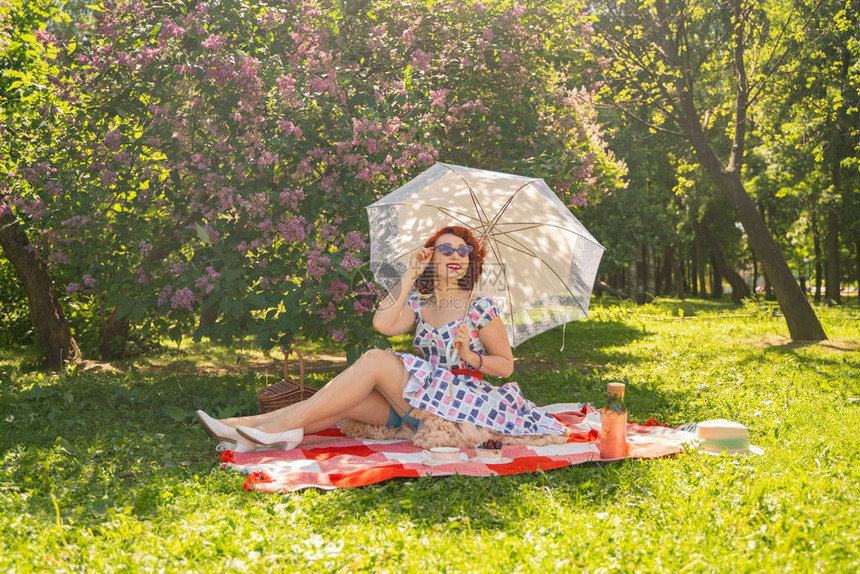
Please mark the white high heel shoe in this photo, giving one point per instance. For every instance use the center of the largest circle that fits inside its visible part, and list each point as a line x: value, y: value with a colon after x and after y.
x: 286, y: 440
x: 225, y: 433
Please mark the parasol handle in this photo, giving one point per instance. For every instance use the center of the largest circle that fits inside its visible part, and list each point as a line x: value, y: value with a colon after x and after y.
x: 457, y: 345
x: 465, y: 317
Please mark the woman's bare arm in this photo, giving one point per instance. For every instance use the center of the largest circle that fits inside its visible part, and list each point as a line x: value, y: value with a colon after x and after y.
x: 498, y: 359
x: 394, y: 316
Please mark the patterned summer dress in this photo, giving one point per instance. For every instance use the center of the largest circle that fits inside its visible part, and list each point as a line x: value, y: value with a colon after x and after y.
x: 503, y: 409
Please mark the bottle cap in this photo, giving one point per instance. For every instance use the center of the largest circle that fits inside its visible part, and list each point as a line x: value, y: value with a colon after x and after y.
x: 615, y: 389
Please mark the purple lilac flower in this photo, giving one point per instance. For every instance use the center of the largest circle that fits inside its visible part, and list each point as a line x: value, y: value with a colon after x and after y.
x: 75, y: 221
x: 214, y: 42
x: 579, y: 200
x: 438, y: 98
x: 421, y: 60
x: 292, y: 198
x: 113, y: 139
x: 89, y: 281
x: 108, y: 177
x: 286, y: 85
x: 351, y: 262
x: 317, y: 265
x: 171, y: 29
x: 339, y: 334
x: 327, y: 313
x: 328, y: 232
x: 354, y: 241
x: 182, y: 298
x: 293, y: 231
x: 286, y: 126
x: 207, y: 282
x: 58, y: 257
x: 337, y: 289
x: 165, y: 295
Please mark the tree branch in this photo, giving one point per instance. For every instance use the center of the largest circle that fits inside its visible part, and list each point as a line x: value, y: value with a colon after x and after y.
x: 646, y: 123
x: 739, y: 18
x: 757, y: 88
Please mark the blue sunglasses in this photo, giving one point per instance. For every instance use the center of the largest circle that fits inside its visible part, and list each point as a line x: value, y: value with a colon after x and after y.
x: 448, y: 251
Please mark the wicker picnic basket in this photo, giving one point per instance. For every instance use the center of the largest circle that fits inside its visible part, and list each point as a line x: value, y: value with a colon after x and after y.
x: 286, y: 391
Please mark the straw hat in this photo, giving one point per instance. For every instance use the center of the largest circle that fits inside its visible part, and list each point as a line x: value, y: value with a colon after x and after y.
x: 716, y: 436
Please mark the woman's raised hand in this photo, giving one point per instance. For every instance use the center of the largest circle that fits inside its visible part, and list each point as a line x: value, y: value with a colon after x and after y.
x: 463, y: 344
x: 418, y: 263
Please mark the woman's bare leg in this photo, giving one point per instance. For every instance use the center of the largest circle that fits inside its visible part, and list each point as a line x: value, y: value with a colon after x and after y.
x: 372, y: 410
x: 346, y: 393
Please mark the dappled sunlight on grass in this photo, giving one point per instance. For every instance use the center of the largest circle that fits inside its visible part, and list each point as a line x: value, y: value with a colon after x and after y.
x: 109, y: 470
x: 204, y: 358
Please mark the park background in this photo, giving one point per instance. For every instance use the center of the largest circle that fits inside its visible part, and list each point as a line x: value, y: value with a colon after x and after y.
x: 182, y: 192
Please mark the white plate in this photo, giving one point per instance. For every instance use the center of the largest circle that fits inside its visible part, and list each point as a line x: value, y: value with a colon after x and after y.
x: 430, y: 462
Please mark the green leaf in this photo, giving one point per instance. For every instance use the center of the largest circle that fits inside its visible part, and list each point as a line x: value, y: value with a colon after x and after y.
x: 101, y: 507
x: 202, y: 234
x: 137, y: 312
x: 257, y: 301
x: 175, y: 413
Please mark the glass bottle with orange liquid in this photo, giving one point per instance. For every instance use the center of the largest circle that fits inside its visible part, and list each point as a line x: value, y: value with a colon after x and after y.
x: 613, y: 423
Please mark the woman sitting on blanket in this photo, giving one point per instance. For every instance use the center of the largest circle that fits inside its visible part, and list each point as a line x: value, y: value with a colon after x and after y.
x: 384, y: 387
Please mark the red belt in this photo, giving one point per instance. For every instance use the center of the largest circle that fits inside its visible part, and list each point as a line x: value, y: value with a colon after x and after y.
x: 477, y: 374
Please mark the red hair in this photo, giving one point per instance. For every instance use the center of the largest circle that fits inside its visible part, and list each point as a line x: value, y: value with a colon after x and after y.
x: 425, y: 283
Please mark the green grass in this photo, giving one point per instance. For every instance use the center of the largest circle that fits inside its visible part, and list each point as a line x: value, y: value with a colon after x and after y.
x: 109, y: 471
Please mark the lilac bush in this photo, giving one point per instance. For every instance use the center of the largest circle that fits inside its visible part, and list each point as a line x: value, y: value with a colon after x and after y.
x: 216, y: 157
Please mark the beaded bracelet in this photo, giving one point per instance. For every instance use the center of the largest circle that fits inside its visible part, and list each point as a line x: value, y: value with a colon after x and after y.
x: 481, y: 362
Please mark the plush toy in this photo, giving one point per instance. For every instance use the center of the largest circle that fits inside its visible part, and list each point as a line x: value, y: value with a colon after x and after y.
x: 436, y: 431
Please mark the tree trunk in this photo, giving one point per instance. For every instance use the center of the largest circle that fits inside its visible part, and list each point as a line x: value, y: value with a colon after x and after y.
x: 650, y: 272
x: 700, y: 266
x: 740, y: 290
x: 768, y: 290
x: 816, y: 245
x: 208, y: 317
x: 666, y: 270
x: 114, y: 337
x: 634, y: 285
x: 677, y: 273
x: 765, y: 212
x: 802, y: 322
x: 604, y: 286
x: 832, y: 287
x: 716, y: 279
x: 857, y: 267
x: 691, y: 275
x: 48, y: 319
x: 755, y: 275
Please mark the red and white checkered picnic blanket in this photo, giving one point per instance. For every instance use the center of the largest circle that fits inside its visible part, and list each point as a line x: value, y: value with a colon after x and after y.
x: 329, y: 460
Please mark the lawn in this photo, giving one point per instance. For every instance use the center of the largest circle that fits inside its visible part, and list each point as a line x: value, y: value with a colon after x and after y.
x: 109, y: 470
